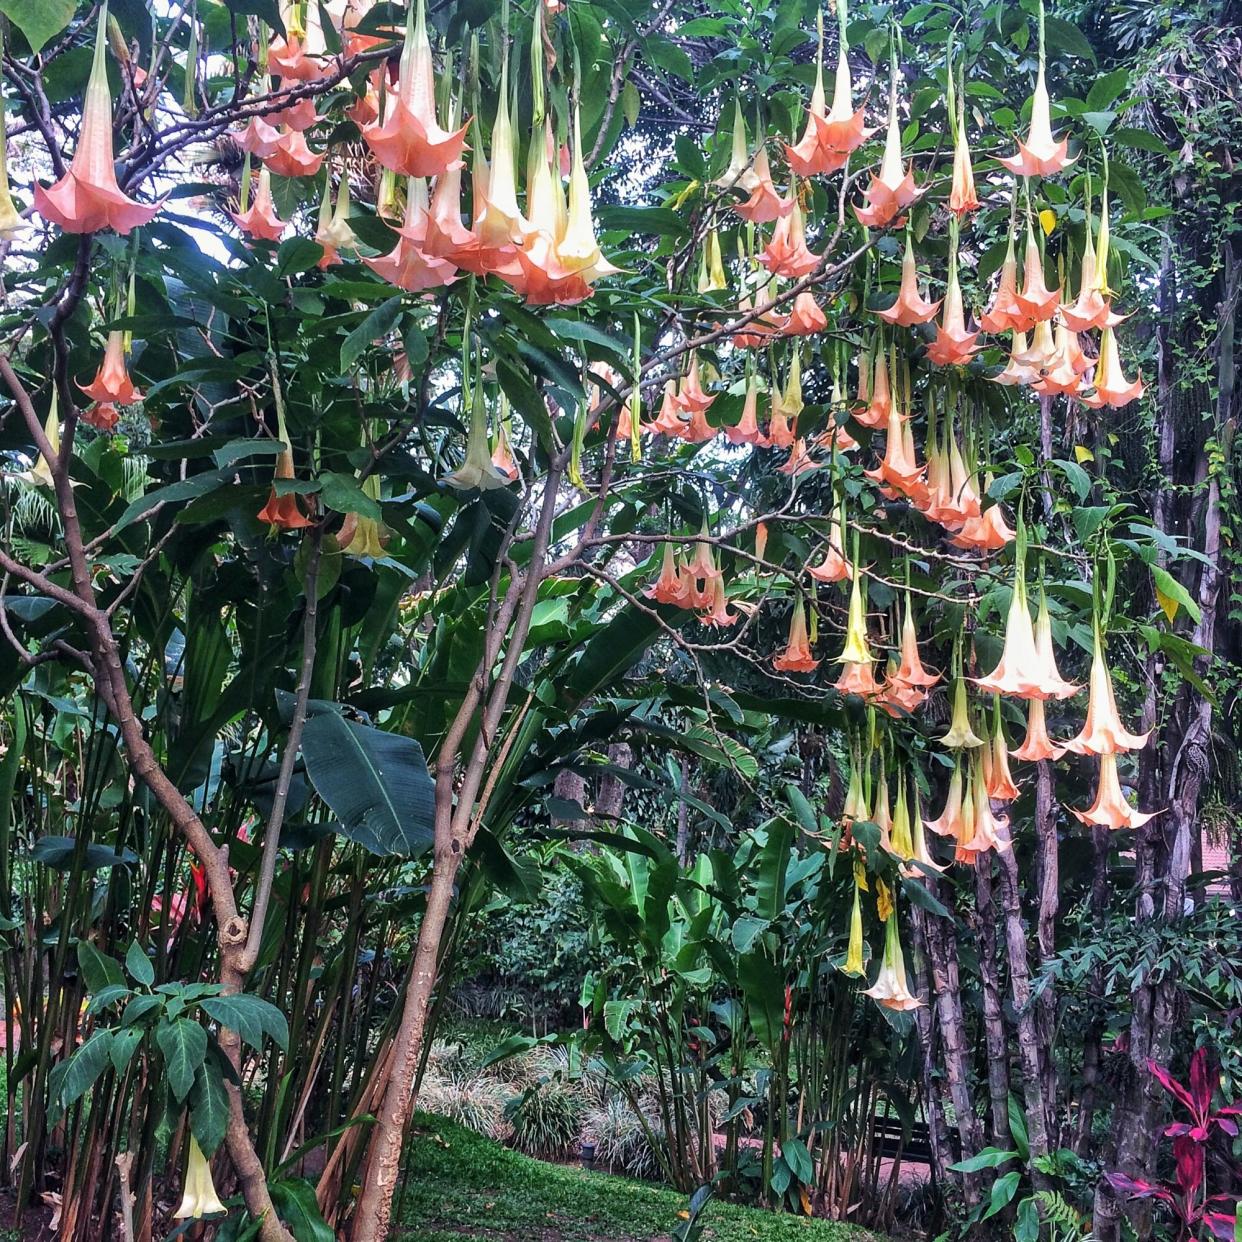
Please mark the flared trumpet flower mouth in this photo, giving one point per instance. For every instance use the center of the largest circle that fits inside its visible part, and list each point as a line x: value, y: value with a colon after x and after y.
x: 112, y: 385
x: 1103, y: 733
x: 199, y: 1198
x: 1040, y: 155
x: 259, y: 219
x: 892, y: 190
x: 960, y: 734
x: 1037, y: 744
x: 1110, y: 384
x: 409, y: 138
x: 797, y: 657
x: 909, y: 307
x: 87, y: 198
x: 1110, y: 808
x: 955, y: 343
x: 890, y: 988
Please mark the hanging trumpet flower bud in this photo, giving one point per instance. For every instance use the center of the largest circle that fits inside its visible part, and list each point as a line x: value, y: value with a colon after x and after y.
x: 739, y: 174
x: 954, y: 345
x: 1040, y: 155
x: 477, y: 471
x: 854, y: 953
x: 711, y: 265
x: 1000, y: 784
x: 11, y: 222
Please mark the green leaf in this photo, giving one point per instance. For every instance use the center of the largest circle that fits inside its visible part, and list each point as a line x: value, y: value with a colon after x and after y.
x: 1026, y: 1222
x: 250, y: 1016
x: 209, y: 1106
x: 38, y: 20
x: 124, y: 1043
x: 375, y: 782
x: 1078, y: 478
x: 184, y: 1045
x: 85, y: 1066
x: 380, y: 321
x: 1173, y: 591
x: 342, y: 493
x: 139, y: 965
x: 763, y: 985
x: 1065, y: 37
x: 642, y: 221
x: 1105, y: 90
x: 988, y: 1158
x: 298, y: 254
x: 98, y: 969
x: 1003, y: 1191
x: 296, y: 1206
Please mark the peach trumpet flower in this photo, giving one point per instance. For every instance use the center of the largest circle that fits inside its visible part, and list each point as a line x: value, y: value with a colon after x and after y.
x: 963, y: 197
x: 909, y: 307
x: 1019, y: 672
x: 112, y: 385
x: 1037, y: 744
x: 806, y: 316
x: 1040, y: 155
x: 998, y: 781
x: 670, y: 587
x: 834, y: 567
x: 765, y: 203
x: 892, y: 190
x: 878, y: 399
x: 260, y: 138
x: 260, y: 219
x: 787, y: 254
x: 985, y: 831
x: 1109, y: 381
x: 1092, y: 309
x: 911, y: 670
x: 1063, y: 374
x: 87, y: 198
x: 410, y: 139
x: 283, y: 512
x: 1103, y: 733
x: 1037, y: 301
x: 1016, y: 372
x: 718, y: 615
x: 746, y: 429
x: 831, y: 136
x: 1110, y: 808
x: 407, y: 265
x: 1006, y: 313
x: 899, y: 471
x: 948, y: 822
x: 292, y: 156
x: 955, y: 345
x: 797, y: 657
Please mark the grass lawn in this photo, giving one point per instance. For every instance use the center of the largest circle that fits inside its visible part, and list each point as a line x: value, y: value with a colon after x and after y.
x: 462, y: 1185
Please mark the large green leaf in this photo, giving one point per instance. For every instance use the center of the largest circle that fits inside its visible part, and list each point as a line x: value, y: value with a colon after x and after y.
x: 376, y: 783
x: 184, y: 1045
x: 38, y: 20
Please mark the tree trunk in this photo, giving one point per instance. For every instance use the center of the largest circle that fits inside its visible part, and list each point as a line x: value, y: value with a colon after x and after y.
x: 993, y: 1013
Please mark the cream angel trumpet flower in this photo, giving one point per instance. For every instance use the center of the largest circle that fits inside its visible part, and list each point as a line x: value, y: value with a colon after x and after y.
x: 1103, y: 733
x: 1019, y: 672
x: 1040, y: 155
x: 857, y: 649
x: 900, y: 839
x: 855, y: 808
x: 333, y: 232
x: 199, y: 1198
x: 1053, y: 682
x: 890, y: 988
x: 947, y: 822
x: 578, y: 249
x: 1111, y: 386
x: 854, y: 952
x: 739, y: 175
x: 477, y: 471
x: 40, y: 474
x: 988, y: 833
x: 11, y: 222
x: 960, y: 734
x: 1016, y: 372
